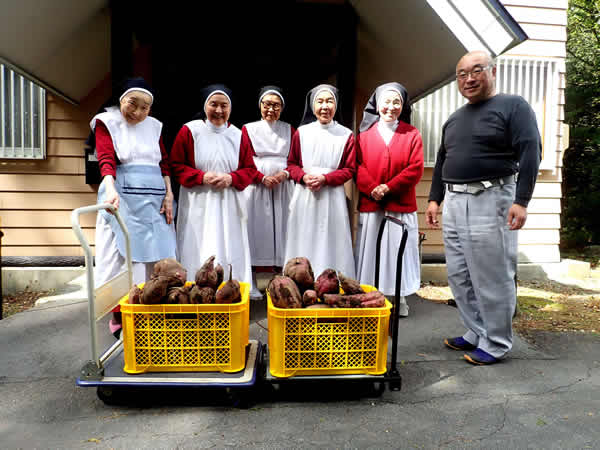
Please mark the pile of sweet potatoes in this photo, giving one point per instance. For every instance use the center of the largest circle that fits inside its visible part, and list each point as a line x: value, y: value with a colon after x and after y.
x: 297, y: 288
x: 168, y: 285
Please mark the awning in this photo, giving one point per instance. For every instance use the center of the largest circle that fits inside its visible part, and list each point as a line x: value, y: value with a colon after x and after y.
x: 419, y: 42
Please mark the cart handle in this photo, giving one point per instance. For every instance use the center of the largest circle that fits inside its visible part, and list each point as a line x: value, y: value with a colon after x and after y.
x: 395, y: 318
x: 89, y: 266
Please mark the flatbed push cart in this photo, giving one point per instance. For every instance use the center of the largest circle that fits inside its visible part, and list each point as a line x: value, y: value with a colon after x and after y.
x: 316, y: 338
x: 161, y: 339
x: 167, y: 337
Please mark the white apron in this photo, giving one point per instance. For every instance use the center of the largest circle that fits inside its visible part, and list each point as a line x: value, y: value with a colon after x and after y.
x: 366, y: 247
x: 268, y: 208
x: 213, y: 222
x: 318, y: 225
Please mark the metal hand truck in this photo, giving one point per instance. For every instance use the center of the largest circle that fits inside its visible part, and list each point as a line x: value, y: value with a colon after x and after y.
x: 105, y: 371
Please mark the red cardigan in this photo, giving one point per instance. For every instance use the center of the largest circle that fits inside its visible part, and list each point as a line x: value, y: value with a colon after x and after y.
x: 247, y: 145
x: 399, y: 165
x: 343, y: 173
x: 183, y: 165
x: 107, y: 156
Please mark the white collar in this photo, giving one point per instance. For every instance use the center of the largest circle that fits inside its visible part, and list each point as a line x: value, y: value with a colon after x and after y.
x: 214, y: 128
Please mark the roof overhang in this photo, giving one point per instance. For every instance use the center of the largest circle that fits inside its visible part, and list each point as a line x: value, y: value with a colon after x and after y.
x: 419, y: 42
x: 45, y: 41
x: 63, y: 44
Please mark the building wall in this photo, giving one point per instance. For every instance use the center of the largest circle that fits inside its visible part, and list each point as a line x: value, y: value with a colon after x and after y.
x: 37, y: 197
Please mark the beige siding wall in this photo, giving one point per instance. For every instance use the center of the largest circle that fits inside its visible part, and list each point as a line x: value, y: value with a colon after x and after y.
x: 37, y: 197
x: 545, y: 22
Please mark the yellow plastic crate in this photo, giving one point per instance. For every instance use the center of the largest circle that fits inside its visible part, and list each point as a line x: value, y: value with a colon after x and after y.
x: 186, y: 338
x: 332, y: 341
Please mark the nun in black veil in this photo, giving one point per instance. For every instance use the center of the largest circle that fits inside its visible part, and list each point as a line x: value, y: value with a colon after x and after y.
x: 212, y: 169
x: 321, y: 160
x: 269, y: 196
x: 390, y: 164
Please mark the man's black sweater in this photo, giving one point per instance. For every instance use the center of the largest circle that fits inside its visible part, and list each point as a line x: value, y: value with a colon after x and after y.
x: 486, y: 140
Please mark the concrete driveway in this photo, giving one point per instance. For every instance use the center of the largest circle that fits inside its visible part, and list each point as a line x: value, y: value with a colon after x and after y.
x: 546, y: 396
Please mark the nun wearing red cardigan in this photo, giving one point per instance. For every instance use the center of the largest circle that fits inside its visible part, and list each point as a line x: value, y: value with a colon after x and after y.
x: 390, y: 164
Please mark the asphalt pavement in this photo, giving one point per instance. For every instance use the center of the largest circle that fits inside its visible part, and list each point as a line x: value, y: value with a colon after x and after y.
x: 544, y: 395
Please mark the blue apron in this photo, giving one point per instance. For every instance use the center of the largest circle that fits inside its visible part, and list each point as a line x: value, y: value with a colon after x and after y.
x: 141, y: 189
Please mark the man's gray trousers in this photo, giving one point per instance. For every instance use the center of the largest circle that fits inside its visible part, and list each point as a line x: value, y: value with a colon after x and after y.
x: 481, y: 259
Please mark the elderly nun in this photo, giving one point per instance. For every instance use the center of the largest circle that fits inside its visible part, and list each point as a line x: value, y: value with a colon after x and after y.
x: 213, y: 169
x: 321, y: 160
x: 390, y: 164
x: 136, y: 180
x: 269, y: 141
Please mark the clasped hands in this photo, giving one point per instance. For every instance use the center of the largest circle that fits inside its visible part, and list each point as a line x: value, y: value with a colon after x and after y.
x: 273, y: 180
x: 314, y: 182
x: 217, y: 180
x: 379, y: 192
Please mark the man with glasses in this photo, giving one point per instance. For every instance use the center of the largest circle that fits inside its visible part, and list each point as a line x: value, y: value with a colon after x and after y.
x: 484, y: 144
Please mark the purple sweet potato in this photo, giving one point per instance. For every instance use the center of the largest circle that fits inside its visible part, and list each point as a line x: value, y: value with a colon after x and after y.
x: 171, y: 269
x: 205, y: 295
x: 284, y: 292
x: 300, y: 270
x: 134, y: 295
x: 309, y: 298
x: 178, y: 295
x: 220, y: 274
x: 349, y: 285
x: 230, y: 292
x: 207, y: 276
x: 155, y: 290
x: 372, y: 299
x: 327, y: 283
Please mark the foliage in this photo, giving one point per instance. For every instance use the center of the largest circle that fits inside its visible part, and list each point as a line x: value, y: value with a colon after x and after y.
x: 581, y: 184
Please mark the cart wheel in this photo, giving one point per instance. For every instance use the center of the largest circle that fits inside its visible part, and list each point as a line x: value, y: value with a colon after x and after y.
x: 108, y: 394
x: 242, y: 398
x: 378, y: 389
x: 395, y: 385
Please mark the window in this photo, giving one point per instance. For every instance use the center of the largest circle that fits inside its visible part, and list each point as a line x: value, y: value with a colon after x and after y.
x: 22, y: 117
x: 535, y: 79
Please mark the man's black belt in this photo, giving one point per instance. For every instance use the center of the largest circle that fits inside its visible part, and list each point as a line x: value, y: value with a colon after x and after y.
x: 476, y: 187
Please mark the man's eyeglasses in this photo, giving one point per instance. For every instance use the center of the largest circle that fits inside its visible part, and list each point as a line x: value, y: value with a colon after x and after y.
x: 475, y: 73
x: 273, y: 106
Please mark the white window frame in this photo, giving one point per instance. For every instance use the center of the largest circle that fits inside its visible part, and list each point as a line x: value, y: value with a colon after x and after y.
x: 432, y: 111
x: 30, y: 137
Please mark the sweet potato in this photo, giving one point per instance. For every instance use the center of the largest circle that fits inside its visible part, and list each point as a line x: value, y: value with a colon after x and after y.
x: 134, y: 295
x: 318, y: 306
x: 284, y: 292
x: 230, y: 292
x: 178, y: 295
x: 170, y: 268
x: 372, y: 299
x: 349, y: 285
x: 300, y: 270
x: 207, y: 276
x: 204, y: 295
x: 309, y: 298
x: 327, y: 283
x: 220, y: 274
x: 155, y: 290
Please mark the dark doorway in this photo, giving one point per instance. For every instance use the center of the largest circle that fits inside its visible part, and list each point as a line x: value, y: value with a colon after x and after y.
x: 295, y: 45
